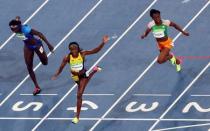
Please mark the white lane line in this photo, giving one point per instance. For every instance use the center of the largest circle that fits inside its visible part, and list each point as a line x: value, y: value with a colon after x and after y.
x: 144, y: 72
x: 185, y: 1
x: 97, y: 94
x: 39, y: 94
x: 182, y: 127
x: 93, y: 127
x: 20, y: 118
x: 200, y: 95
x: 152, y: 95
x: 87, y: 119
x: 46, y: 1
x: 189, y: 86
x: 187, y: 120
x: 108, y: 50
x: 106, y: 119
x: 135, y: 119
x: 64, y: 38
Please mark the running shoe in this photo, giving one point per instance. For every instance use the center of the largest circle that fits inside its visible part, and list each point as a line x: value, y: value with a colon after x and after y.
x: 75, y: 120
x: 36, y: 91
x: 97, y: 68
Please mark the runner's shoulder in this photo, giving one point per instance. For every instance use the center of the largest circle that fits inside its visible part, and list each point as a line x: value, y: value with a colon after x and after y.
x: 26, y: 29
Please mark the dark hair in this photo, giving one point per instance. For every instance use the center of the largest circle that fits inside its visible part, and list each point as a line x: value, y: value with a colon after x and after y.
x: 154, y: 11
x: 75, y: 43
x: 14, y: 22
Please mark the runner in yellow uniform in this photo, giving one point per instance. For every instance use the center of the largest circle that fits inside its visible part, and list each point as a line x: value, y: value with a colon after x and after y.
x: 159, y: 29
x: 79, y: 74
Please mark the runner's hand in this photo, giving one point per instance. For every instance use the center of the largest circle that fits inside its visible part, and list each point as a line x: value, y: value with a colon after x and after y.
x: 105, y: 39
x: 143, y: 36
x: 51, y: 48
x: 54, y: 77
x: 185, y: 33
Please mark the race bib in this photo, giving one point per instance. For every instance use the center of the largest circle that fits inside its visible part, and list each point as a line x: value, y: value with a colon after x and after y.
x: 76, y: 67
x: 21, y: 36
x: 41, y: 50
x: 158, y: 34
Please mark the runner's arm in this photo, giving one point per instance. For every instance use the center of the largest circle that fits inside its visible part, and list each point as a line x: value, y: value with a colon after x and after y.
x: 97, y: 49
x: 148, y: 30
x: 177, y: 27
x: 40, y: 35
x: 60, y: 69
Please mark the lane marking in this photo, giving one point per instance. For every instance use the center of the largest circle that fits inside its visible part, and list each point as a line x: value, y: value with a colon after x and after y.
x: 200, y: 95
x: 106, y: 119
x: 152, y: 94
x: 88, y: 119
x: 97, y: 94
x: 39, y: 94
x: 186, y: 1
x: 182, y: 127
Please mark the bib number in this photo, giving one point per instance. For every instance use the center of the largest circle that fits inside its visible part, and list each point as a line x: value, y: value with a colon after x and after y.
x: 21, y: 36
x: 41, y: 50
x: 159, y: 34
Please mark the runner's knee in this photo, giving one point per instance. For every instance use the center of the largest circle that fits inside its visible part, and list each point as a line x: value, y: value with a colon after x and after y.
x: 30, y: 69
x: 160, y: 61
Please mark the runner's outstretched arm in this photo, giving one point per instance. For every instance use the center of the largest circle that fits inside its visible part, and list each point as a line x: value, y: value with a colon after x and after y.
x: 40, y: 35
x: 177, y: 27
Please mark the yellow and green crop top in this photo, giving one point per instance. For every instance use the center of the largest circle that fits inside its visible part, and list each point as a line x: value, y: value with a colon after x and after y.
x: 159, y: 31
x: 76, y: 64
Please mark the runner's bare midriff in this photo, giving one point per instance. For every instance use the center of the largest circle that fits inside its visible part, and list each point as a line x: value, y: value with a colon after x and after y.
x: 162, y: 39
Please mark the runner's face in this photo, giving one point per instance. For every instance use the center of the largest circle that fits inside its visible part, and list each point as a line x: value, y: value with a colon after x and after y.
x: 15, y: 28
x: 156, y: 17
x: 74, y: 50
